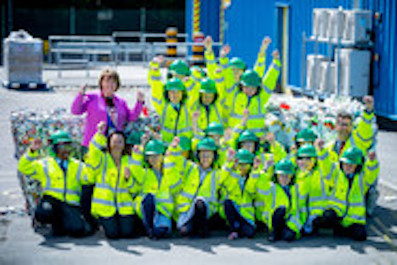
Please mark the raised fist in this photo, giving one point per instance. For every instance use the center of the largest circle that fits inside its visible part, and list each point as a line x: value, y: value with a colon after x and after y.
x: 127, y: 173
x: 369, y: 103
x: 175, y: 142
x: 276, y: 55
x: 225, y: 50
x: 101, y: 127
x: 35, y: 145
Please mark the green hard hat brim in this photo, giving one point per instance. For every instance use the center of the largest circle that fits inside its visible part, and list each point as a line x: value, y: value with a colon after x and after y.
x: 173, y: 88
x: 153, y: 153
x: 208, y: 91
x: 307, y: 155
x: 349, y: 161
x: 62, y: 141
x: 176, y: 72
x: 206, y: 148
x: 245, y: 161
x: 249, y: 139
x: 301, y: 139
x: 249, y: 85
x: 237, y: 66
x: 215, y: 132
x: 286, y: 172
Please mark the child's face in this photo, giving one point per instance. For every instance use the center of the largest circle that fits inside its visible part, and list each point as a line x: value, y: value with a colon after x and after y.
x: 349, y: 168
x: 284, y: 179
x: 244, y: 168
x: 207, y: 98
x: 249, y: 90
x: 206, y: 158
x: 306, y: 163
x: 248, y: 145
x: 237, y: 73
x: 175, y: 96
x: 155, y: 161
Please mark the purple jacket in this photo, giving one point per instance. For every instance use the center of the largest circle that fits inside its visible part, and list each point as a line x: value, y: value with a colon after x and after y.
x: 94, y: 104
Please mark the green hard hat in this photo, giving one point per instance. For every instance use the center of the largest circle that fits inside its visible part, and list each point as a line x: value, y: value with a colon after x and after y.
x: 154, y: 147
x: 214, y: 128
x: 134, y: 137
x: 238, y: 63
x: 246, y: 136
x: 208, y: 86
x: 179, y: 67
x: 244, y: 156
x: 306, y: 135
x: 60, y: 137
x: 353, y: 155
x: 285, y: 166
x: 174, y: 84
x: 250, y: 78
x: 185, y: 143
x: 207, y: 144
x: 198, y: 72
x: 307, y: 150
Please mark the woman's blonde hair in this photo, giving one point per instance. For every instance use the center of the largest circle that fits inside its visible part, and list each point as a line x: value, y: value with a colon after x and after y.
x: 109, y: 74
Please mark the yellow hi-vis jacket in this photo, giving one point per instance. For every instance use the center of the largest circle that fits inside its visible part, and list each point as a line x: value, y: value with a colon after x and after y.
x: 113, y: 193
x: 164, y: 186
x: 191, y: 84
x: 362, y: 136
x: 237, y: 101
x: 215, y: 113
x: 241, y: 191
x: 206, y: 187
x: 173, y: 122
x: 54, y: 182
x: 271, y: 196
x: 349, y: 201
x: 319, y: 182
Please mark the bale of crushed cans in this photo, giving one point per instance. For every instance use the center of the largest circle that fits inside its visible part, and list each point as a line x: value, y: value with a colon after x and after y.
x: 286, y: 115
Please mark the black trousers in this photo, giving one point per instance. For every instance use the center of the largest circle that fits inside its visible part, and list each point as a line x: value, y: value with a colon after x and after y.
x: 85, y: 201
x: 149, y: 210
x: 237, y: 222
x: 329, y: 219
x: 280, y: 230
x: 356, y: 232
x: 198, y: 223
x: 64, y: 219
x: 118, y: 226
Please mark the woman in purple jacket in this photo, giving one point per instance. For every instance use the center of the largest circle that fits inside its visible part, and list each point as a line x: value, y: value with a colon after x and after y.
x: 105, y: 106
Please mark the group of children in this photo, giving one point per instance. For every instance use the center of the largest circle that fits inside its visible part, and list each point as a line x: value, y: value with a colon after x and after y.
x: 212, y: 163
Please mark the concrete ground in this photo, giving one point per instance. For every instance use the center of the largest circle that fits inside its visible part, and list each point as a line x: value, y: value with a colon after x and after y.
x: 20, y: 245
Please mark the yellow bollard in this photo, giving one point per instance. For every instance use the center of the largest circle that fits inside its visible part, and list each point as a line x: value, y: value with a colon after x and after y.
x: 198, y: 50
x: 171, y: 39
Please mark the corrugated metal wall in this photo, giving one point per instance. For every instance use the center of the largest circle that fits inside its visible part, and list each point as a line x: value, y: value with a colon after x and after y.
x: 384, y: 74
x: 248, y: 21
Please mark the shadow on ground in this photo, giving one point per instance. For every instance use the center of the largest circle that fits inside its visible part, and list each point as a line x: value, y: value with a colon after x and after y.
x: 381, y: 237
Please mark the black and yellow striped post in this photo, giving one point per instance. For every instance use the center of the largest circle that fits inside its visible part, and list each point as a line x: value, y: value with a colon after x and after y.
x: 171, y: 38
x: 198, y: 50
x: 196, y: 15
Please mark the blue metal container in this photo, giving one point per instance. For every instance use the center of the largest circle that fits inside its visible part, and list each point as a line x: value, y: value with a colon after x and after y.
x: 249, y: 21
